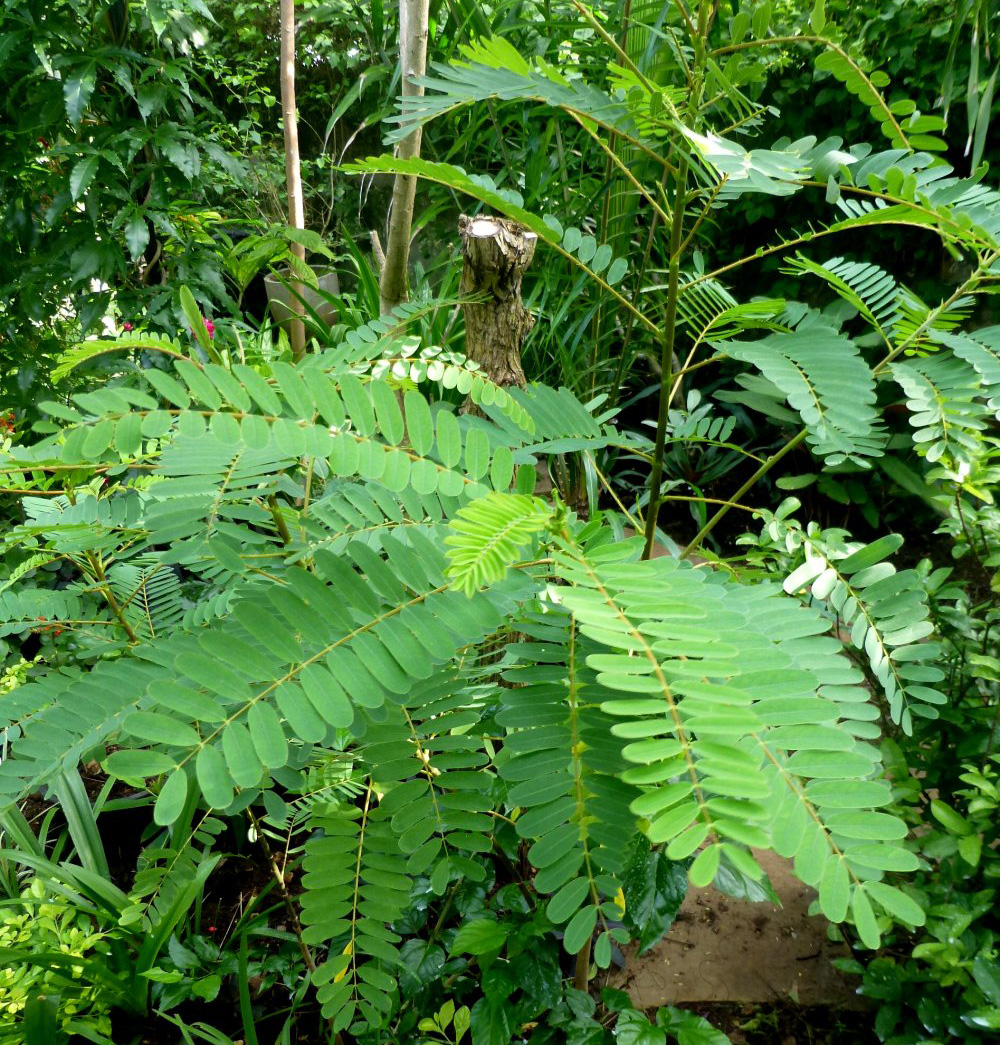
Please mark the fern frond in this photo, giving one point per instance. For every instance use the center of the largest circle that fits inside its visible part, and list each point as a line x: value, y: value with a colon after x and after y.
x: 493, y: 69
x: 350, y: 511
x: 563, y: 778
x: 30, y: 607
x: 866, y: 90
x: 85, y: 351
x: 148, y: 593
x: 557, y: 413
x: 164, y: 874
x: 59, y: 718
x: 28, y: 565
x: 919, y: 190
x: 981, y: 350
x: 301, y: 658
x: 440, y: 774
x: 101, y: 525
x: 209, y: 489
x: 709, y: 312
x: 912, y: 326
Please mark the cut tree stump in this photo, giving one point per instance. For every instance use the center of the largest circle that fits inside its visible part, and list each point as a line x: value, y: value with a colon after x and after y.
x: 496, y: 251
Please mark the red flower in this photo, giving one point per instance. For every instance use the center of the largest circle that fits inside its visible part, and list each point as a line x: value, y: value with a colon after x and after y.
x: 209, y: 327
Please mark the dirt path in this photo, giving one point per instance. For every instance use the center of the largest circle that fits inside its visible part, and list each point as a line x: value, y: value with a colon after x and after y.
x: 726, y: 950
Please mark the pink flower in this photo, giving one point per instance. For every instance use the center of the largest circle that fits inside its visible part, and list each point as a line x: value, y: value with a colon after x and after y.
x: 209, y: 327
x: 126, y: 326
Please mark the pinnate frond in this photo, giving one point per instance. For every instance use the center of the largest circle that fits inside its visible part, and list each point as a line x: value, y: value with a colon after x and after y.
x: 488, y: 536
x: 739, y: 716
x: 946, y: 412
x: 884, y: 614
x: 824, y: 378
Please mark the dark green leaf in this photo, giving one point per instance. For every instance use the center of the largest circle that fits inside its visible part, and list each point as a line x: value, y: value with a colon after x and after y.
x: 580, y: 929
x: 654, y: 889
x: 689, y: 1028
x: 82, y: 175
x: 421, y: 963
x: 986, y: 973
x: 136, y: 234
x: 213, y: 779
x: 160, y: 729
x: 632, y: 1028
x: 479, y: 936
x: 78, y: 86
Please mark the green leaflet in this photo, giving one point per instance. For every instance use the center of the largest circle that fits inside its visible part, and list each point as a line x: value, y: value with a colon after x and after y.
x: 159, y: 728
x: 567, y: 899
x: 575, y: 811
x: 580, y: 929
x: 872, y: 291
x: 835, y: 891
x: 943, y: 395
x: 213, y: 779
x: 896, y: 902
x: 138, y: 763
x: 479, y: 936
x: 170, y: 801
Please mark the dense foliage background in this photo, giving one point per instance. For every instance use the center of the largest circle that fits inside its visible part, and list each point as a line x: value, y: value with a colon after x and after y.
x: 345, y: 699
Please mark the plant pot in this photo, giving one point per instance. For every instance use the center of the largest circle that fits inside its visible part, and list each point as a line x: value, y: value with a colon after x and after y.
x: 279, y: 296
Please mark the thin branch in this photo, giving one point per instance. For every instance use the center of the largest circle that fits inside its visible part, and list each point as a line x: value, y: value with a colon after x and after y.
x: 279, y: 877
x: 105, y: 589
x: 279, y: 520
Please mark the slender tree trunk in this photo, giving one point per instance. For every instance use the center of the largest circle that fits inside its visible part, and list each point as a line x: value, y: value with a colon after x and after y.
x: 496, y: 251
x: 413, y: 19
x: 293, y: 170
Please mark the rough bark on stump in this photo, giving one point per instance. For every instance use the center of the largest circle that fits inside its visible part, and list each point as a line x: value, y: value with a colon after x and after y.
x: 496, y: 252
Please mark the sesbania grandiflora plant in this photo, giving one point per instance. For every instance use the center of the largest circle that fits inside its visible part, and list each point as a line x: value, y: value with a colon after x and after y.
x: 273, y: 566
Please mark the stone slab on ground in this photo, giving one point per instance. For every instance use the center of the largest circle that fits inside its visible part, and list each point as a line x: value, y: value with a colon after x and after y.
x: 725, y: 950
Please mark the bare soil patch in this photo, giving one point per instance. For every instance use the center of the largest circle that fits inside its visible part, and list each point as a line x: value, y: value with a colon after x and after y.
x: 723, y: 950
